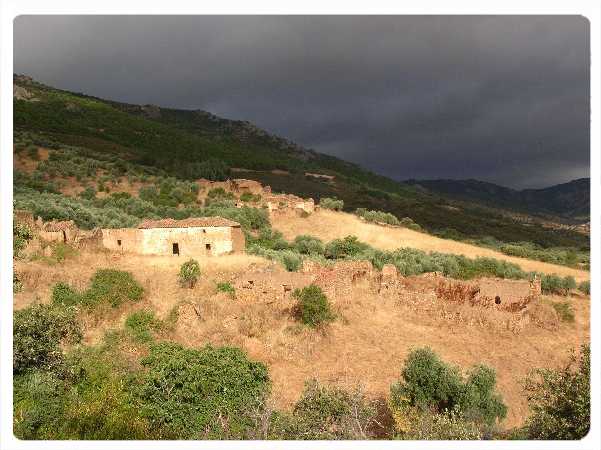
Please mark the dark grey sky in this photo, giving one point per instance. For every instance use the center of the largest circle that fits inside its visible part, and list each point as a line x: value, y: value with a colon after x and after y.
x: 501, y: 99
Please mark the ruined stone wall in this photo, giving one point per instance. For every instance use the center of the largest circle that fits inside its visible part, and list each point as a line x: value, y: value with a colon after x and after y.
x: 51, y: 236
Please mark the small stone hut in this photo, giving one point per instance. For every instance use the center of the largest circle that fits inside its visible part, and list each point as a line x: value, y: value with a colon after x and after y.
x: 59, y: 231
x: 196, y: 236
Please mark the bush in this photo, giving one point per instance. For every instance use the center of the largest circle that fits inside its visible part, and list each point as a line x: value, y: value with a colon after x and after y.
x: 313, y: 307
x: 585, y: 287
x: 309, y: 245
x: 248, y: 197
x: 189, y: 273
x: 141, y: 325
x: 89, y: 193
x: 22, y: 234
x: 429, y: 384
x: 291, y: 261
x: 63, y: 294
x: 560, y: 400
x: 349, y: 246
x: 113, y: 287
x: 564, y: 311
x: 200, y: 394
x: 331, y: 203
x: 377, y: 216
x: 38, y: 331
x: 327, y: 413
x: 227, y: 288
x: 554, y: 284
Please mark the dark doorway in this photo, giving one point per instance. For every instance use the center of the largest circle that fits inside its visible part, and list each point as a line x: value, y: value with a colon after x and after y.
x: 119, y: 242
x: 498, y: 300
x: 176, y: 248
x: 64, y: 237
x: 208, y: 248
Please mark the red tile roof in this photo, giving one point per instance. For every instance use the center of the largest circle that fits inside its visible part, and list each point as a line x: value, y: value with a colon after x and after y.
x: 189, y: 223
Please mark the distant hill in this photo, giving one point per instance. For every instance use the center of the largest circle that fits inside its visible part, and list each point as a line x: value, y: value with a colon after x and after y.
x: 186, y: 143
x: 567, y: 200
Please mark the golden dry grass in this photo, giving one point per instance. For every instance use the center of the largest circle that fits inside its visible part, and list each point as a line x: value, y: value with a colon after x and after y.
x: 366, y: 344
x: 328, y: 225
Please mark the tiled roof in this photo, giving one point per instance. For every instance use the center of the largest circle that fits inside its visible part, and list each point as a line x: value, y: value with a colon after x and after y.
x: 189, y: 223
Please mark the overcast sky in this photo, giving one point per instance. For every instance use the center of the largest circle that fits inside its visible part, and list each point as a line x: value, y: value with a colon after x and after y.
x: 500, y: 99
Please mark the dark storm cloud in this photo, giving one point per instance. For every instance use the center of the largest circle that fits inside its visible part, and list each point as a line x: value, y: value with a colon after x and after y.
x: 503, y: 99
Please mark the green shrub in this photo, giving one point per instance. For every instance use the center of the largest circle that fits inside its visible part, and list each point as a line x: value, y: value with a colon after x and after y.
x: 89, y: 193
x: 560, y: 400
x: 227, y: 288
x: 350, y: 246
x: 585, y: 287
x: 429, y: 384
x: 564, y: 310
x: 248, y: 197
x: 309, y: 245
x: 553, y: 284
x: 313, y: 307
x: 62, y: 251
x: 39, y: 402
x: 327, y: 413
x: 189, y: 273
x: 269, y: 239
x: 113, y: 287
x: 22, y: 234
x: 63, y: 294
x: 408, y: 222
x: 201, y: 394
x: 38, y: 331
x: 141, y: 325
x: 331, y: 203
x: 291, y: 261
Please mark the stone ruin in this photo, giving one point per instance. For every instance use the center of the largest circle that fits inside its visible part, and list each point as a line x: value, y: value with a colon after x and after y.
x: 282, y: 203
x: 274, y: 203
x: 55, y: 231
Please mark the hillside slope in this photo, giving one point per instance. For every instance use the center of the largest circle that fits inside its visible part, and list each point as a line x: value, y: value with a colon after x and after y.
x: 328, y: 225
x: 195, y: 144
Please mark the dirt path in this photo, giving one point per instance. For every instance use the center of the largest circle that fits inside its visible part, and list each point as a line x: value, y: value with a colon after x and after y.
x: 328, y: 225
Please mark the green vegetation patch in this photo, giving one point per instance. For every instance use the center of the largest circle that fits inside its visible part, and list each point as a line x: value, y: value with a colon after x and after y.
x: 189, y: 273
x: 313, y: 308
x: 201, y: 393
x: 430, y: 383
x: 38, y: 331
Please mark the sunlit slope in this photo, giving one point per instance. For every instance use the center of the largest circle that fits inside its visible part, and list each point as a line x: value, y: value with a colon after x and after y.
x: 328, y: 225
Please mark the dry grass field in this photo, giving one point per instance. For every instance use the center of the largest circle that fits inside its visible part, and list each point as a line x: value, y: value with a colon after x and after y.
x: 366, y: 344
x: 328, y: 225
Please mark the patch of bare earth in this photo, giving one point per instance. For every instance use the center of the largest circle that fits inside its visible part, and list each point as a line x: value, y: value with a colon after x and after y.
x: 328, y: 225
x: 366, y: 344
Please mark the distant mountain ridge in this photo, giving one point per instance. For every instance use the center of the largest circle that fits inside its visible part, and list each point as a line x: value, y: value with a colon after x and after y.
x: 569, y: 200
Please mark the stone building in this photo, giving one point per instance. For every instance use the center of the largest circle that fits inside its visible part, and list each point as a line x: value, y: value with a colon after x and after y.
x: 289, y: 202
x: 58, y: 231
x: 188, y: 237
